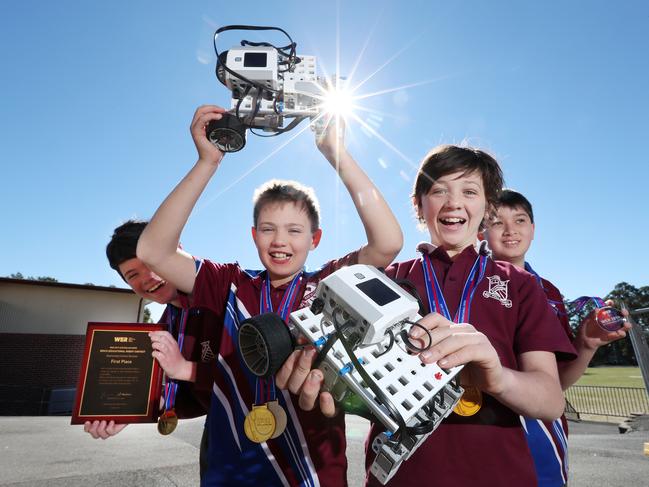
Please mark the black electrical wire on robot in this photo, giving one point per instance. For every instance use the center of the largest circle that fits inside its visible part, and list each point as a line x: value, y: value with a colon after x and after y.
x: 289, y: 60
x: 403, y: 431
x: 292, y: 57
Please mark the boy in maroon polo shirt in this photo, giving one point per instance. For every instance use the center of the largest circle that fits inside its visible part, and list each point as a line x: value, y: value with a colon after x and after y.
x: 510, y: 232
x: 505, y: 335
x: 192, y: 368
x: 302, y: 447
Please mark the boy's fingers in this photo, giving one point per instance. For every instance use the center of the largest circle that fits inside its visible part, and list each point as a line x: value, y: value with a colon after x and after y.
x: 451, y: 344
x: 113, y: 429
x: 429, y: 322
x: 284, y: 373
x: 301, y: 370
x: 327, y: 405
x: 310, y: 390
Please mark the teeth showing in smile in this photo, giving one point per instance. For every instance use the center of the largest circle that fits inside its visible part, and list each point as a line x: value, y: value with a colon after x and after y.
x: 280, y: 255
x: 156, y: 287
x: 511, y: 242
x: 452, y: 221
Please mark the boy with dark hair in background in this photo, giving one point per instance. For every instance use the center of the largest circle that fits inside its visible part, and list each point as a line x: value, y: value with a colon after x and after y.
x: 510, y: 232
x: 192, y: 367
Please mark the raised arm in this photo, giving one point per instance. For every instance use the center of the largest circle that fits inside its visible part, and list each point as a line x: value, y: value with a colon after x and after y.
x: 384, y: 237
x: 158, y: 244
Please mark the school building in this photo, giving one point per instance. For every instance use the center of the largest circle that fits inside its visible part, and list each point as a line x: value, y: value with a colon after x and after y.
x: 42, y: 335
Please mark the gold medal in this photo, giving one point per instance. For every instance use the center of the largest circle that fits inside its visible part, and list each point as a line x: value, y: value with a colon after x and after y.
x: 259, y: 425
x: 280, y: 417
x: 167, y: 422
x: 470, y: 402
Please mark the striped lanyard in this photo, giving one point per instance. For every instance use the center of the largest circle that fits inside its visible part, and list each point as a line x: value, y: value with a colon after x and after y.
x: 582, y: 301
x: 436, y: 301
x: 171, y: 385
x: 265, y: 388
x: 553, y: 303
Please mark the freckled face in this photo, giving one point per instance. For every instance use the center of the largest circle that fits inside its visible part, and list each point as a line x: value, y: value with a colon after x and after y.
x: 283, y: 238
x: 453, y: 209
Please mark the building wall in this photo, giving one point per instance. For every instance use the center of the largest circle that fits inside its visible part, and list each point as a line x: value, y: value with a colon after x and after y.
x: 33, y: 308
x: 42, y: 336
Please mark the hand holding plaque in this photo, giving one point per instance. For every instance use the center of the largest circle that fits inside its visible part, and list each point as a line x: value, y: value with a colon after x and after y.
x: 119, y: 378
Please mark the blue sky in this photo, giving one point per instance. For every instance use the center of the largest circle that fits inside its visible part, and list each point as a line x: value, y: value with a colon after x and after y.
x: 97, y: 98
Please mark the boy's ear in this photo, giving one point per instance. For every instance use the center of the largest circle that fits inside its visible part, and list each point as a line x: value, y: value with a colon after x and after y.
x: 417, y: 207
x: 315, y: 238
x: 533, y: 229
x: 253, y: 230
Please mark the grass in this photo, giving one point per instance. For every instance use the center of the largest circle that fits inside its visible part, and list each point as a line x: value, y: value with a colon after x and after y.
x: 611, y: 403
x: 612, y: 377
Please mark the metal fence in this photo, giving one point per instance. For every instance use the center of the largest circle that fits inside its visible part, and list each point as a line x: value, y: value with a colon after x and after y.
x: 608, y: 401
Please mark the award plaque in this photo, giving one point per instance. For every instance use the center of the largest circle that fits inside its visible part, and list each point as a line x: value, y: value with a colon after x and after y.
x: 119, y: 379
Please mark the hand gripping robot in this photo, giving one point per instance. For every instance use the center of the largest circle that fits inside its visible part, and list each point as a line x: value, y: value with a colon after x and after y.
x: 270, y: 86
x: 359, y: 323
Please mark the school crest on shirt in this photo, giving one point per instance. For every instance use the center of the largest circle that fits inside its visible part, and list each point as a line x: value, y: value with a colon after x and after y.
x: 309, y: 294
x: 498, y: 290
x: 206, y: 351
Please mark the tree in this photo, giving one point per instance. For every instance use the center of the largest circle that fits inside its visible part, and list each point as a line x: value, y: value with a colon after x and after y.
x: 146, y: 316
x: 44, y: 279
x: 19, y: 275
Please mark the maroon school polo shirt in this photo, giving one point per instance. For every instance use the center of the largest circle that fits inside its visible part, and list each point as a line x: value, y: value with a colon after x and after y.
x: 200, y: 344
x: 228, y: 289
x: 489, y: 448
x: 554, y: 295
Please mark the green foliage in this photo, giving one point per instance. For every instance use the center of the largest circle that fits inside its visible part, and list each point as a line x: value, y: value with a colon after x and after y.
x: 19, y: 275
x: 147, y: 315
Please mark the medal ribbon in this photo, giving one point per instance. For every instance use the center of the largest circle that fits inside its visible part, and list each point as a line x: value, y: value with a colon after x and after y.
x: 265, y: 389
x: 582, y: 301
x: 436, y: 301
x: 553, y: 303
x: 171, y: 385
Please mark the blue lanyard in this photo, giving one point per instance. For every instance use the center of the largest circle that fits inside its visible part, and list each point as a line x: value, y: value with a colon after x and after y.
x: 288, y: 299
x: 265, y: 388
x: 553, y: 303
x: 171, y: 385
x: 582, y: 301
x: 436, y: 301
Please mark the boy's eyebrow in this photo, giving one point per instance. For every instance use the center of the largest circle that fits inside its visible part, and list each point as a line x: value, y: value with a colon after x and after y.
x: 476, y: 183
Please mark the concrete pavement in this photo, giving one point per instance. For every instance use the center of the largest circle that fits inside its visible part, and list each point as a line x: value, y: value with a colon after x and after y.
x: 47, y: 451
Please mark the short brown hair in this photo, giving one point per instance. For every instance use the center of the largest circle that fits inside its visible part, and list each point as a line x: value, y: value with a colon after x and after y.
x: 283, y: 191
x: 448, y: 159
